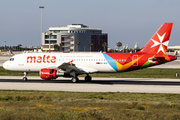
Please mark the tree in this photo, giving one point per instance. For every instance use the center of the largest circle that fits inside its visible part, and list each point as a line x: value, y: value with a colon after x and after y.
x: 77, y: 44
x: 90, y: 45
x: 104, y: 45
x: 119, y: 44
x: 19, y: 47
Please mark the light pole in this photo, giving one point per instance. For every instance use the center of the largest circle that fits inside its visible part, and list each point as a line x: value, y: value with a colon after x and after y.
x: 49, y: 33
x: 4, y: 45
x: 41, y: 7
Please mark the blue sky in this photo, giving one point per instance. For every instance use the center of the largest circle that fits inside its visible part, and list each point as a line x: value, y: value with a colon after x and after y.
x: 127, y: 21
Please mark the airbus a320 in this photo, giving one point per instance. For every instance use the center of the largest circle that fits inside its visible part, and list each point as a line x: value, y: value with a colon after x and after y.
x: 53, y: 65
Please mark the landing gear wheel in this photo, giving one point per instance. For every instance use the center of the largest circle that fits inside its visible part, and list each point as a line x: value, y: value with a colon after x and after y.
x: 24, y: 78
x: 88, y: 78
x: 75, y: 79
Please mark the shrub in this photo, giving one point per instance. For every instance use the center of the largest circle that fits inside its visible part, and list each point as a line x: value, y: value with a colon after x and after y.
x: 142, y: 107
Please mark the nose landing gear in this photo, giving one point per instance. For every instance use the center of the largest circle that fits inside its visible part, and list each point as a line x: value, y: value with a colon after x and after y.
x: 25, y: 76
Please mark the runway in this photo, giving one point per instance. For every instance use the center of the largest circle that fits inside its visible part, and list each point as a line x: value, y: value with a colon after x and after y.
x: 139, y: 85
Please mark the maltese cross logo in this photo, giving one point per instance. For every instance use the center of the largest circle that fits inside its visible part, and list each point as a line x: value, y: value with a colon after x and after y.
x: 160, y: 43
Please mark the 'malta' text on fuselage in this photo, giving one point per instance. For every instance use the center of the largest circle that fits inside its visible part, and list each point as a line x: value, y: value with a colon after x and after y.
x: 41, y: 59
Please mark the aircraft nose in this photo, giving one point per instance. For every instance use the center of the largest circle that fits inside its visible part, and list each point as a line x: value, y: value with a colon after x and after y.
x: 5, y: 65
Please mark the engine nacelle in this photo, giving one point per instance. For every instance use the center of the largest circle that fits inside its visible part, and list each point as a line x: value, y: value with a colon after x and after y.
x: 48, y: 74
x: 67, y: 75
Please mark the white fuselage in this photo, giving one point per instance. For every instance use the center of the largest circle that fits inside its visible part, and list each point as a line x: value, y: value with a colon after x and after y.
x: 34, y: 62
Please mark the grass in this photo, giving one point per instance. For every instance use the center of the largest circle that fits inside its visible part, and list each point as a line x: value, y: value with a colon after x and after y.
x: 45, y: 105
x: 141, y: 73
x: 42, y: 105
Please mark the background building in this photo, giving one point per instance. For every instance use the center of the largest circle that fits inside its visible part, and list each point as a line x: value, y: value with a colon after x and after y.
x: 66, y: 39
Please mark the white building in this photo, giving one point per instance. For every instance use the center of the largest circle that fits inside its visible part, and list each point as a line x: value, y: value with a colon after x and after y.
x: 65, y: 38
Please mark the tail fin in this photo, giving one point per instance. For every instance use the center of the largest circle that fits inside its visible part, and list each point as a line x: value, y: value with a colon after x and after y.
x: 157, y: 45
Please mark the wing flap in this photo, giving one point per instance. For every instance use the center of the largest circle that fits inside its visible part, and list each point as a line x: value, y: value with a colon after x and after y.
x: 88, y: 70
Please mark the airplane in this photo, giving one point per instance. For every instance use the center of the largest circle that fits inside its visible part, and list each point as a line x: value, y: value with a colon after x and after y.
x: 53, y: 65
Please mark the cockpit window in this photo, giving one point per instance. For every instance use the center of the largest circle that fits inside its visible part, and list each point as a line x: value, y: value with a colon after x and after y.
x: 11, y: 59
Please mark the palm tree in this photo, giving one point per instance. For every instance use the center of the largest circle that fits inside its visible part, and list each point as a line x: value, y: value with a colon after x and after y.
x: 104, y: 45
x: 19, y: 47
x: 119, y: 44
x: 77, y: 44
x: 90, y: 45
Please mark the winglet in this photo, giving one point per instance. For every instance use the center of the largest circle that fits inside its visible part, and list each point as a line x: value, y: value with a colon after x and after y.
x: 70, y: 62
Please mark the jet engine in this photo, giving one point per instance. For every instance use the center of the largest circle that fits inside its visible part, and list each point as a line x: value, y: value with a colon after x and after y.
x: 48, y: 74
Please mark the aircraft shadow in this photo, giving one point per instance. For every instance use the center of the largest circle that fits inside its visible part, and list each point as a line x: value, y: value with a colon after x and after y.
x: 105, y: 82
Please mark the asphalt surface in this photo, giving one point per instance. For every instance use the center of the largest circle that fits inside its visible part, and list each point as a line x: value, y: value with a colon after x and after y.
x: 108, y: 81
x: 139, y: 85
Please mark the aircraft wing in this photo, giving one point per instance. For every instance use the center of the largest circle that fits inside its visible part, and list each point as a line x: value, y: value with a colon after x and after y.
x: 69, y: 67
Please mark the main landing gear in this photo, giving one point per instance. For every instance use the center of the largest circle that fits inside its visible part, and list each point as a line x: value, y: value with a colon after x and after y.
x: 88, y: 78
x: 25, y: 76
x: 76, y: 79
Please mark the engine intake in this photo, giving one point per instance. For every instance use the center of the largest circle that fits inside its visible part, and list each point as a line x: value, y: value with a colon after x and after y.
x: 48, y: 74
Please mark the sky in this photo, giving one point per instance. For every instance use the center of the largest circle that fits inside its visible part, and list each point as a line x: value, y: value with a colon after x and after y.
x: 125, y: 21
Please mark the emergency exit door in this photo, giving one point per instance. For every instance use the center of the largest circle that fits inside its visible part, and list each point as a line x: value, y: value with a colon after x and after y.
x: 135, y: 60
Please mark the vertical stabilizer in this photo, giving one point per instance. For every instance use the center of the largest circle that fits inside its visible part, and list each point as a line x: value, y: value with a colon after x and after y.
x: 157, y: 45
